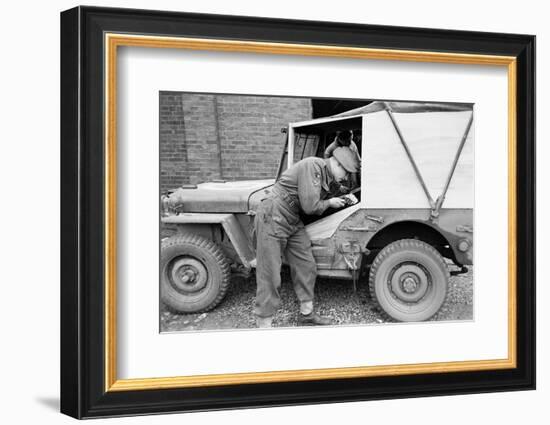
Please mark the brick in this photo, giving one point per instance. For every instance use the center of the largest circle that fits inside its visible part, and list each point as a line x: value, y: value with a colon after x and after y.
x: 249, y: 135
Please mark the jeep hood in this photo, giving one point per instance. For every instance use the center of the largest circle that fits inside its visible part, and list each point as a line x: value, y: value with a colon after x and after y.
x: 216, y: 197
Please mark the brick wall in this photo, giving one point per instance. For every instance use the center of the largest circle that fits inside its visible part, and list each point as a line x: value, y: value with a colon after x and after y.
x: 205, y: 137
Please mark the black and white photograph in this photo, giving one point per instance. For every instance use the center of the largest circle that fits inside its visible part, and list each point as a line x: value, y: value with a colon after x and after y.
x: 290, y: 210
x: 282, y: 212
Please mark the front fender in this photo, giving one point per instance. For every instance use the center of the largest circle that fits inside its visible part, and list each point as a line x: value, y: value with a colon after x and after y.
x: 241, y: 243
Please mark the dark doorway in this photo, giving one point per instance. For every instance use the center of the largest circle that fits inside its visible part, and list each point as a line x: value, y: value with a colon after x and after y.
x: 328, y: 107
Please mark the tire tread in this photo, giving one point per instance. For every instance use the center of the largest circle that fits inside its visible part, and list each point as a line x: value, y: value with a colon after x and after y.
x: 215, y: 251
x: 404, y: 244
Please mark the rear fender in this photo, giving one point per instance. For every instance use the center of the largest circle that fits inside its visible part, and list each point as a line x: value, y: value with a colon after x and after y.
x: 338, y: 238
x: 234, y: 231
x: 444, y: 234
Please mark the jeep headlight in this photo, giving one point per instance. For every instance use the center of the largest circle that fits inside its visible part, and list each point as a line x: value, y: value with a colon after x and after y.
x: 165, y: 205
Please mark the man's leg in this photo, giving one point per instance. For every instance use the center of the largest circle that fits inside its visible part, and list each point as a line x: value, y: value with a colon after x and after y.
x: 268, y: 274
x: 303, y: 271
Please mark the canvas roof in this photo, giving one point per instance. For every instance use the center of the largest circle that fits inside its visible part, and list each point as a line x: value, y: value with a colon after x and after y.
x: 407, y: 107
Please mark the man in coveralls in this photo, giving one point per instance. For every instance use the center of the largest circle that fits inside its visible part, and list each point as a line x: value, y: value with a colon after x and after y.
x: 304, y: 187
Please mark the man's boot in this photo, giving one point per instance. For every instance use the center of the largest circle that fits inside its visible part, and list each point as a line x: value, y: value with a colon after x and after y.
x: 313, y: 319
x: 264, y: 322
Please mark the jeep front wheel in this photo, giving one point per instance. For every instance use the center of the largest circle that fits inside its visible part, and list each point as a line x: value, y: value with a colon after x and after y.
x: 409, y: 280
x: 195, y: 273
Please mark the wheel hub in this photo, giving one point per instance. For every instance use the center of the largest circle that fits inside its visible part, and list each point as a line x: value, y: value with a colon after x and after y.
x: 187, y: 274
x: 409, y: 282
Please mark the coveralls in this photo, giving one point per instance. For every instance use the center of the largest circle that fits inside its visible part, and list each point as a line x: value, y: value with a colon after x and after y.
x: 279, y: 231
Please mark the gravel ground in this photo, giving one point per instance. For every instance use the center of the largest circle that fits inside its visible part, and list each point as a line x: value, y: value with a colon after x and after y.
x: 333, y: 298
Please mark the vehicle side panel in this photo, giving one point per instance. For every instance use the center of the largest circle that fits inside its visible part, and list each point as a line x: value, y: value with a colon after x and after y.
x: 364, y: 227
x: 388, y: 177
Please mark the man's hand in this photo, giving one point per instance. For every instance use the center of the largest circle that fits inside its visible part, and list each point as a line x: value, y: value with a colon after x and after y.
x: 344, y: 189
x: 336, y: 203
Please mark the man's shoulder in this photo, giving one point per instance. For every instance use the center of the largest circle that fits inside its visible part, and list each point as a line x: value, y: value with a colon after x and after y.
x: 313, y: 161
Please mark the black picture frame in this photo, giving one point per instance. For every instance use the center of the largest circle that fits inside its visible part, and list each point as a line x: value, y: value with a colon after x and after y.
x: 83, y: 392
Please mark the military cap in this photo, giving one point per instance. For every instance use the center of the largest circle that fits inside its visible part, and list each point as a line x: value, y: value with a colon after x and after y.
x: 347, y: 159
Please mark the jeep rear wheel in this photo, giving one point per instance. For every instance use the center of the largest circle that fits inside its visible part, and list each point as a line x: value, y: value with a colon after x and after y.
x: 195, y: 274
x: 409, y: 280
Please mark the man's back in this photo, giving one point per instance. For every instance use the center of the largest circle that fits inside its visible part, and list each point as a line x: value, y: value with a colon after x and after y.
x: 308, y: 182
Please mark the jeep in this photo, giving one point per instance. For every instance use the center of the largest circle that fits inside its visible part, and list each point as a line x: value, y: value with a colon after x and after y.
x: 411, y: 228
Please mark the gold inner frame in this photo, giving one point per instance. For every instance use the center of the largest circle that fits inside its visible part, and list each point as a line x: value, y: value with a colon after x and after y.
x: 113, y: 41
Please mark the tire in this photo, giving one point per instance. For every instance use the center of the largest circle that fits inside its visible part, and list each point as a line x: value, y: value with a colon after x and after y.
x: 409, y: 280
x: 195, y: 273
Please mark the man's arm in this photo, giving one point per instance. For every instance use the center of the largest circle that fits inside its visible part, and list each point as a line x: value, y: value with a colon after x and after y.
x: 353, y: 147
x: 330, y: 148
x: 309, y: 189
